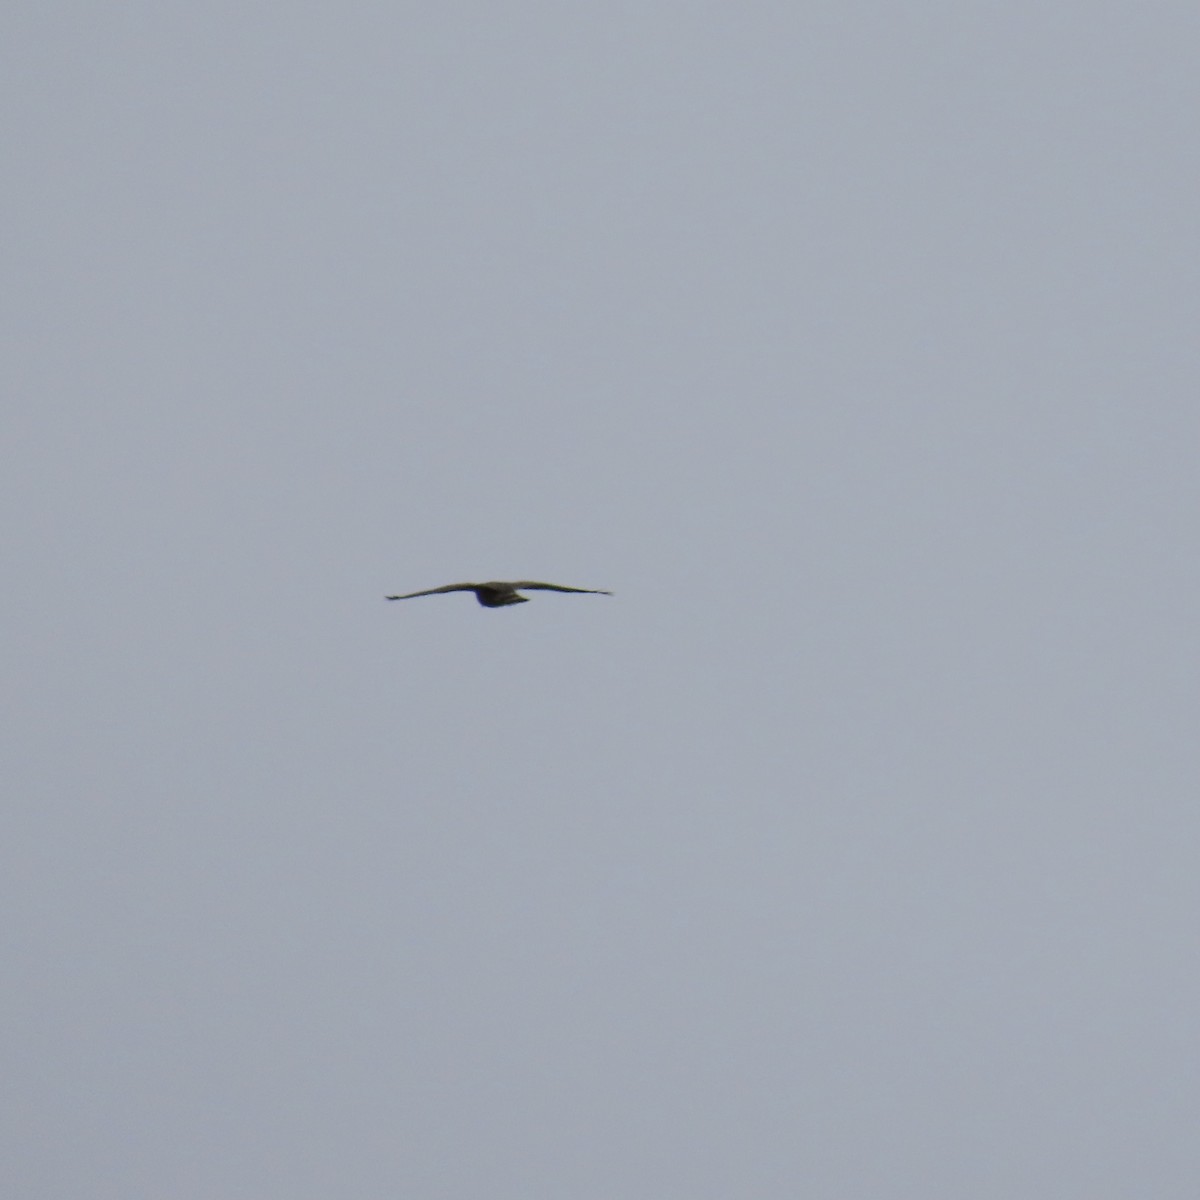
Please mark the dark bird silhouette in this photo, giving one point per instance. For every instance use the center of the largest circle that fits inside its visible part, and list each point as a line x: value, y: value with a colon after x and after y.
x: 497, y: 595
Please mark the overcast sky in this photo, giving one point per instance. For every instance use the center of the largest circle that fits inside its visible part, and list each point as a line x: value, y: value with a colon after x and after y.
x: 851, y: 850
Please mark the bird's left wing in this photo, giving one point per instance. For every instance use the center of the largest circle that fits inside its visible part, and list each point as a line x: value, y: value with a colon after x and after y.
x: 450, y: 587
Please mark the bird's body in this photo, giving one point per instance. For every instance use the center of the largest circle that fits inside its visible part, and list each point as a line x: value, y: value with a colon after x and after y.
x: 497, y: 594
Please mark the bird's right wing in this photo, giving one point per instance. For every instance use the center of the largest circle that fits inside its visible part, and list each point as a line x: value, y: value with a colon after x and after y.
x: 450, y: 587
x: 529, y: 586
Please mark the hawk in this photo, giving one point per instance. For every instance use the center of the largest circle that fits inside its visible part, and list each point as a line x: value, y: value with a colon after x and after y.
x: 497, y: 595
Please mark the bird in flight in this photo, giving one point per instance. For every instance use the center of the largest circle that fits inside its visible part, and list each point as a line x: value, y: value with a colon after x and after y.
x: 497, y: 595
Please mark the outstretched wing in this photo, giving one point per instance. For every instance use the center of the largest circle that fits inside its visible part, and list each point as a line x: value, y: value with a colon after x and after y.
x: 529, y: 586
x: 450, y: 587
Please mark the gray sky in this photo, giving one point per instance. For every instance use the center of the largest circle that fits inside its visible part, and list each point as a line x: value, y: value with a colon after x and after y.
x: 850, y: 850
